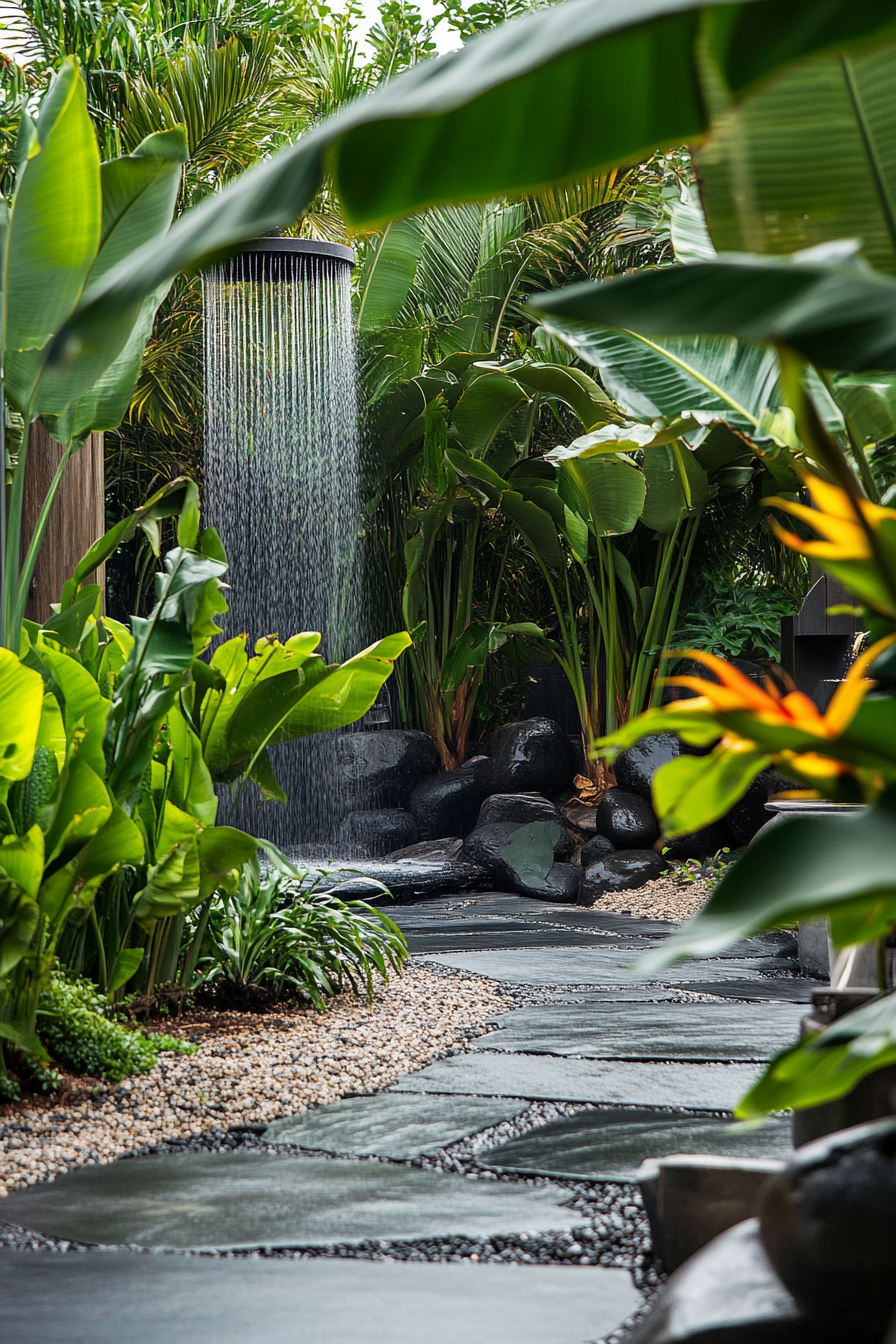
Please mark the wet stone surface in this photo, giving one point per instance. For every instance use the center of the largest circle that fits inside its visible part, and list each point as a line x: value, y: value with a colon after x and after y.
x: 600, y: 966
x: 612, y: 1144
x: 697, y: 1086
x: 185, y: 1299
x: 695, y: 1031
x: 390, y: 1125
x: 246, y: 1199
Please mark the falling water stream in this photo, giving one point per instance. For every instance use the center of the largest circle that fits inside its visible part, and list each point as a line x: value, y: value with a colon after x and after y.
x: 282, y: 461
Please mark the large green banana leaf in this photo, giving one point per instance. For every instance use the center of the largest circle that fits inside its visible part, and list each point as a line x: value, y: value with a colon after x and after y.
x: 809, y: 158
x: 834, y: 312
x: 569, y: 90
x: 21, y: 695
x: 387, y: 273
x: 666, y: 377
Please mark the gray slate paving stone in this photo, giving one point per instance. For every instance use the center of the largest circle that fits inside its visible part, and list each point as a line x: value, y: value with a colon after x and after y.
x: 389, y: 1125
x: 695, y: 1031
x: 627, y: 925
x: 701, y: 1087
x: 254, y: 1199
x: 539, y: 935
x: 611, y: 1145
x: 466, y: 904
x: 785, y: 990
x: 162, y: 1299
x: 597, y: 966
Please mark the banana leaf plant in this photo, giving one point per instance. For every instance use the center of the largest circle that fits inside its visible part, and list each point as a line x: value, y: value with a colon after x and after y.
x: 116, y: 738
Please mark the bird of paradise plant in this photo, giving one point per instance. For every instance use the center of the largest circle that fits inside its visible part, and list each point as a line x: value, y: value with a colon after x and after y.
x: 839, y: 867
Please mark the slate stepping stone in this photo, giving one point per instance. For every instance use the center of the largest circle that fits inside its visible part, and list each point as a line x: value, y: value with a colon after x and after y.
x: 695, y: 1031
x: 701, y: 1087
x: 480, y: 903
x: 627, y: 925
x: 104, y: 1298
x: 785, y: 990
x: 389, y: 1125
x: 483, y: 940
x: 598, y: 966
x: 253, y: 1199
x: 611, y: 1145
x: 457, y: 924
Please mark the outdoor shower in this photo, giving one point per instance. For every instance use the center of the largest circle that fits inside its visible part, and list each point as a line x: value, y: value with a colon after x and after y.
x: 282, y: 463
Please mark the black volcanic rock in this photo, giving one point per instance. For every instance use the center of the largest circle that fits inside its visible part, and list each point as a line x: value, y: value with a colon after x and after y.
x: 627, y: 819
x: 385, y: 765
x: 597, y: 848
x: 447, y: 804
x: 518, y: 807
x: 534, y: 756
x: 374, y: 834
x: 748, y: 816
x: 635, y: 767
x: 625, y: 871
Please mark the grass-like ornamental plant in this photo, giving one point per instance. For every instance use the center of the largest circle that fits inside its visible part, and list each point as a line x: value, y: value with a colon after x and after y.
x: 278, y: 935
x: 79, y: 1032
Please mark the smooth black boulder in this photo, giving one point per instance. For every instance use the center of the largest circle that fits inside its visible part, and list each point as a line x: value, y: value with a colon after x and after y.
x: 560, y: 885
x: 447, y: 804
x: 376, y: 833
x: 597, y: 848
x: 485, y: 843
x: 828, y: 1225
x: 627, y: 819
x: 534, y: 756
x: 625, y: 871
x: 748, y: 816
x: 385, y: 765
x: 700, y: 844
x: 635, y: 767
x: 518, y: 807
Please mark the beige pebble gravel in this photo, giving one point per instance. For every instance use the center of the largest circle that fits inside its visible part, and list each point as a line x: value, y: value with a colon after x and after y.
x: 664, y: 898
x: 250, y: 1070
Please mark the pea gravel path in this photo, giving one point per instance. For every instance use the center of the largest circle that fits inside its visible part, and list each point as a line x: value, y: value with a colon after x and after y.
x: 251, y: 1070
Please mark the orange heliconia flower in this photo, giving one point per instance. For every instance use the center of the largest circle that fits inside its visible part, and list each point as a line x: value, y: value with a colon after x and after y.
x: 770, y: 706
x: 836, y: 517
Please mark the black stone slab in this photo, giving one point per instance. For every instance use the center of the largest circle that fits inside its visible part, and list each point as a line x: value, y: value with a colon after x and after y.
x: 627, y: 925
x: 701, y: 1087
x: 451, y: 924
x: 538, y: 935
x: 390, y: 1125
x: 597, y: 965
x: 104, y: 1298
x: 611, y: 1145
x: 468, y: 904
x: 785, y: 990
x: 246, y: 1199
x: 695, y: 1031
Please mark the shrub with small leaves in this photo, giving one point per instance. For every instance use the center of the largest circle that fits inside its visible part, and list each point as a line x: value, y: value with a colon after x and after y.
x: 76, y: 1027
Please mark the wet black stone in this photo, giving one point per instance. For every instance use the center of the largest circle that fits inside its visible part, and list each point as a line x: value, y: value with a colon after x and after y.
x: 534, y: 756
x: 484, y: 845
x: 449, y: 847
x: 561, y: 885
x: 746, y: 817
x: 627, y: 819
x: 635, y: 767
x: 620, y: 872
x: 727, y: 1293
x: 828, y: 1225
x: 386, y: 765
x: 375, y: 834
x: 697, y: 844
x: 596, y: 849
x: 447, y: 804
x: 518, y: 808
x: 406, y: 879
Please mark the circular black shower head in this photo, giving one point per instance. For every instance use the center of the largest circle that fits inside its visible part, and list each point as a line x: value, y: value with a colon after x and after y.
x: 284, y: 258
